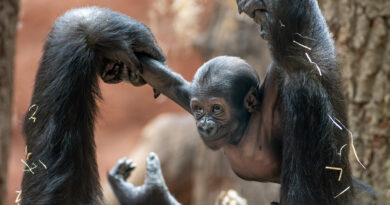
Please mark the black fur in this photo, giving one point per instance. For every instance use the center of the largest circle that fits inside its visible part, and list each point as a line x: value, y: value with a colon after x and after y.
x: 311, y: 141
x: 80, y: 46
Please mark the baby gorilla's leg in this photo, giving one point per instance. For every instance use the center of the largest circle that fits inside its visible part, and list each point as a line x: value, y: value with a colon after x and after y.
x: 153, y: 191
x: 125, y: 192
x: 154, y: 177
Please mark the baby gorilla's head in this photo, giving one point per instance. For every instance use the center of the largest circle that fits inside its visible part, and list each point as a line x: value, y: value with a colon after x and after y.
x: 224, y: 93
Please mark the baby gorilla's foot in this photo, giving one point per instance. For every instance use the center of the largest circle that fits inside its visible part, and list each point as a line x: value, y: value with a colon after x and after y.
x: 154, y: 177
x: 122, y: 169
x: 153, y: 191
x: 155, y: 186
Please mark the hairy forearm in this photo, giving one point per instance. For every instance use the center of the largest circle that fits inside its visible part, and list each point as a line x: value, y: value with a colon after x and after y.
x: 299, y: 37
x: 164, y: 80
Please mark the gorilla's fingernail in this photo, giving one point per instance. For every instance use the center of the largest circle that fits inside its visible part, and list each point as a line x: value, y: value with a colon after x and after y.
x: 156, y: 93
x: 152, y: 156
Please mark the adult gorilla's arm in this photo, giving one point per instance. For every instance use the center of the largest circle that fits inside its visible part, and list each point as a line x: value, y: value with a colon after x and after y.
x: 83, y: 44
x: 310, y: 93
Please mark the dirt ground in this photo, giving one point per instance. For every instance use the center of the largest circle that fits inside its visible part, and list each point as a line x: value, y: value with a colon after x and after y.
x: 125, y: 109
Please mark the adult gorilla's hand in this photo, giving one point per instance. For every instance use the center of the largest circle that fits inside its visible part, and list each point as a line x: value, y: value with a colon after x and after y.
x: 259, y: 11
x: 143, y: 43
x: 122, y: 40
x: 250, y: 7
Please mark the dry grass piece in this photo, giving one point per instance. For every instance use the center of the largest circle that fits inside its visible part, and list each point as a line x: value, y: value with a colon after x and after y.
x: 29, y: 168
x: 315, y: 64
x: 342, y: 192
x: 337, y: 169
x: 32, y: 117
x: 18, y: 198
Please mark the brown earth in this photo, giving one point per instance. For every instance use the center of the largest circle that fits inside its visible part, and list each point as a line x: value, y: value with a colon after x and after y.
x: 125, y: 109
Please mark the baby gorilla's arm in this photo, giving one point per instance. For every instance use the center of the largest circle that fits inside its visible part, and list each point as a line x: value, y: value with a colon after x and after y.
x: 153, y: 191
x: 166, y: 81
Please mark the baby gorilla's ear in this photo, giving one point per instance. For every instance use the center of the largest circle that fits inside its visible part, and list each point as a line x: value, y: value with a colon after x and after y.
x: 251, y: 100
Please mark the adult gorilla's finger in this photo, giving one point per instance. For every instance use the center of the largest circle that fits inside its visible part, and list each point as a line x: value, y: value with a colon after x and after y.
x: 250, y: 6
x: 145, y: 43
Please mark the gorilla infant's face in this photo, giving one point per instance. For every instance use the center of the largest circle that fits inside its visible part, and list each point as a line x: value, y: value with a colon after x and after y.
x: 217, y: 121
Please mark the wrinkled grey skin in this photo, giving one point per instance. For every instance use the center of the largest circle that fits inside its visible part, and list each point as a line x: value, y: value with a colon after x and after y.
x: 153, y: 191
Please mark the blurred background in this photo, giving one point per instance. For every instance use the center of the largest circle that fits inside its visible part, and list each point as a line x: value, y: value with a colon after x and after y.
x: 132, y: 123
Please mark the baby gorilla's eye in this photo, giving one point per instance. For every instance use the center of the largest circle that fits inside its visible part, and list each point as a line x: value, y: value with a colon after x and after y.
x: 217, y: 109
x: 197, y: 109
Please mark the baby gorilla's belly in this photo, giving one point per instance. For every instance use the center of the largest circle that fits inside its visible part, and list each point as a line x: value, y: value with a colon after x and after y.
x: 252, y: 164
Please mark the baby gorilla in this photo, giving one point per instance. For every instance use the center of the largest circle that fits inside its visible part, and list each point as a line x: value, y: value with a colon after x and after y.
x: 224, y: 98
x: 227, y: 103
x: 153, y: 191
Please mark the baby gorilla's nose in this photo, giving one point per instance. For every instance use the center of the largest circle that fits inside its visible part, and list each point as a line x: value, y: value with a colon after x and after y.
x: 207, y: 128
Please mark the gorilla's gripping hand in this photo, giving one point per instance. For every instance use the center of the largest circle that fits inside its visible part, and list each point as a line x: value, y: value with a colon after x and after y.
x: 259, y: 11
x: 153, y: 191
x: 111, y: 39
x: 136, y: 38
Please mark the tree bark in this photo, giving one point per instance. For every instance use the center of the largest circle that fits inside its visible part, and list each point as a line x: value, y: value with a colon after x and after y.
x: 8, y: 21
x: 361, y: 29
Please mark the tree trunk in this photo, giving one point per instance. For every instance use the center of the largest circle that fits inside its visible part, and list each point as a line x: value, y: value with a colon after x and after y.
x: 361, y: 29
x: 8, y: 20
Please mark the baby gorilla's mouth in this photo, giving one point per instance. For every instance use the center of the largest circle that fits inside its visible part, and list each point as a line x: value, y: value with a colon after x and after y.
x: 216, y: 142
x: 219, y: 141
x: 213, y: 138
